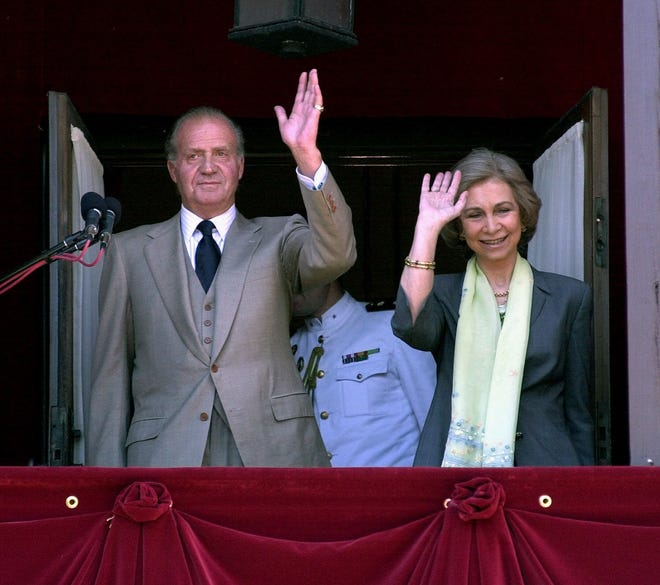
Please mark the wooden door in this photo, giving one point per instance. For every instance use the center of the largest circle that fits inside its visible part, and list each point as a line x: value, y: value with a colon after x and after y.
x: 592, y: 111
x: 72, y: 289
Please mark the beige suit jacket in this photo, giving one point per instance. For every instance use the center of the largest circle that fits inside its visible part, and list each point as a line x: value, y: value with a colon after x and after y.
x: 153, y: 381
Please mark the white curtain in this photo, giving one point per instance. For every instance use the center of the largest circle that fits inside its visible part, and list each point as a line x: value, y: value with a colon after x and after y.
x: 558, y: 245
x: 87, y: 176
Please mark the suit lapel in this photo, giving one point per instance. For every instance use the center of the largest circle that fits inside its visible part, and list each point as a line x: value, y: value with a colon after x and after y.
x: 539, y: 295
x: 242, y: 241
x: 166, y: 259
x: 455, y: 292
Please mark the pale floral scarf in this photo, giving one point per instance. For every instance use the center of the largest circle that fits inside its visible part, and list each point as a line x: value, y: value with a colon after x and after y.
x: 488, y: 369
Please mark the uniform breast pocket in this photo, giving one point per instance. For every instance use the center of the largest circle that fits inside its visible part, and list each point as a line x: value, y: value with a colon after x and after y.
x: 363, y: 386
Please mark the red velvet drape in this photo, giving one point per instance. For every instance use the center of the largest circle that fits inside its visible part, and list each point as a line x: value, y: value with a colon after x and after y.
x: 329, y: 526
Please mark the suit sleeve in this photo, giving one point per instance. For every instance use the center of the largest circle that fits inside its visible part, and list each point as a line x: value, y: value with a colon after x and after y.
x: 427, y: 331
x: 579, y: 380
x: 323, y: 248
x: 108, y: 404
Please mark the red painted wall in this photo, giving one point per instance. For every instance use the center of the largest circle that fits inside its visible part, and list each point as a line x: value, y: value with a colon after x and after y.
x: 475, y: 58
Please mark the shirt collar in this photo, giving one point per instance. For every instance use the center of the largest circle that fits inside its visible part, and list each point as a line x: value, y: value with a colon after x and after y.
x: 222, y: 223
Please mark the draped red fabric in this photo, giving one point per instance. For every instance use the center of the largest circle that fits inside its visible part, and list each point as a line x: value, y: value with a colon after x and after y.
x: 143, y: 544
x: 329, y: 526
x: 476, y: 536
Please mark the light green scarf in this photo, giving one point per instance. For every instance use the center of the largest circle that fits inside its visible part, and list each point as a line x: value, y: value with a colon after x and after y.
x: 488, y: 369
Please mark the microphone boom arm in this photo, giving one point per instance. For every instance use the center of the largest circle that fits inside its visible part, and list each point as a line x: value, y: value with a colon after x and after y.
x: 71, y: 243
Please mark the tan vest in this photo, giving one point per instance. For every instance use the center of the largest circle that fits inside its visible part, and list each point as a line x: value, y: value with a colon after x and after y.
x: 221, y: 448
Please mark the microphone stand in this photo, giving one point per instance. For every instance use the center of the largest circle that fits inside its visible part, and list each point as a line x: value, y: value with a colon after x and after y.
x: 71, y: 243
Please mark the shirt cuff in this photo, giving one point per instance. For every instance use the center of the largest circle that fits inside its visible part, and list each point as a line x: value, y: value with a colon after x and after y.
x: 319, y: 178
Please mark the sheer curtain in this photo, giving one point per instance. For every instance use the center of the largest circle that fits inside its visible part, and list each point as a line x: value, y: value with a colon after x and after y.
x: 87, y: 176
x: 558, y: 245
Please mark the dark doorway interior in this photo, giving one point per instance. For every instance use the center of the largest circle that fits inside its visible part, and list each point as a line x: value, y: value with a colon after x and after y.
x: 379, y: 164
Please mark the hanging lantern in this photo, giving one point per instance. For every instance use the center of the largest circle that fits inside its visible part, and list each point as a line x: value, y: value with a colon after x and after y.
x: 294, y: 28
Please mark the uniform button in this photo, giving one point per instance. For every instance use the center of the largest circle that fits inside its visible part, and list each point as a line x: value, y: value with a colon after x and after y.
x: 325, y: 415
x: 519, y: 435
x: 321, y: 339
x: 329, y: 455
x: 208, y: 307
x: 204, y: 416
x: 320, y: 374
x: 359, y: 376
x: 214, y: 368
x: 208, y: 340
x: 208, y: 323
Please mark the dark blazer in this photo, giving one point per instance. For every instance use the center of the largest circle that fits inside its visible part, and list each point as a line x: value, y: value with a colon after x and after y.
x: 154, y: 379
x: 554, y: 419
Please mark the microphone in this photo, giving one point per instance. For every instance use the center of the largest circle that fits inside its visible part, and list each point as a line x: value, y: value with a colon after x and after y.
x: 92, y: 207
x: 110, y: 218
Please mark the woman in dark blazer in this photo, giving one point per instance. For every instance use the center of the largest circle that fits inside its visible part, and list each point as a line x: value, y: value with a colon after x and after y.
x: 515, y: 370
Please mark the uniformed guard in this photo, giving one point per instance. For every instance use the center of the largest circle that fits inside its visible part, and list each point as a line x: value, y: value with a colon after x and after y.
x: 371, y: 391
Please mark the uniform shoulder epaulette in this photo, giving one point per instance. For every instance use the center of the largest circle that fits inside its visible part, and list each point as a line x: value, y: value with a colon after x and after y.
x: 384, y: 305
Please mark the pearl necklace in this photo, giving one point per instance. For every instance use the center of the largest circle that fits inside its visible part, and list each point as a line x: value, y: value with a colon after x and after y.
x: 501, y: 294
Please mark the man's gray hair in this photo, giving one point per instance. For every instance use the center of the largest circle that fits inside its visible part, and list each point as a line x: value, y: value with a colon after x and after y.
x: 202, y: 113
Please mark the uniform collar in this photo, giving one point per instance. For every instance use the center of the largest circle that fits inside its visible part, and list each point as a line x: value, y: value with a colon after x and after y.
x: 336, y: 316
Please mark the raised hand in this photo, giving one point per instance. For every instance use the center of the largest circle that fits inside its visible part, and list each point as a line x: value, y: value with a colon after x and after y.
x: 438, y: 204
x: 437, y: 207
x: 299, y: 129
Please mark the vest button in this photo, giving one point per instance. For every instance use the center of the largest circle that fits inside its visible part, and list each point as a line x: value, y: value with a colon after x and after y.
x: 208, y: 307
x: 204, y: 416
x: 215, y: 368
x: 208, y: 340
x: 325, y: 415
x: 208, y: 323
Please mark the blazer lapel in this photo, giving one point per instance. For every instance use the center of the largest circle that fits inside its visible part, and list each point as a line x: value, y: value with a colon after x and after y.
x: 539, y: 295
x: 454, y: 297
x: 242, y: 241
x: 165, y: 257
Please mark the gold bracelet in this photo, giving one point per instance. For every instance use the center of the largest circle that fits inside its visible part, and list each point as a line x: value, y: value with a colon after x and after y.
x: 419, y: 264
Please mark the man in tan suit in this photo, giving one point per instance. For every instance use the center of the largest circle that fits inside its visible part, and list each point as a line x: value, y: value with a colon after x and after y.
x: 176, y: 380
